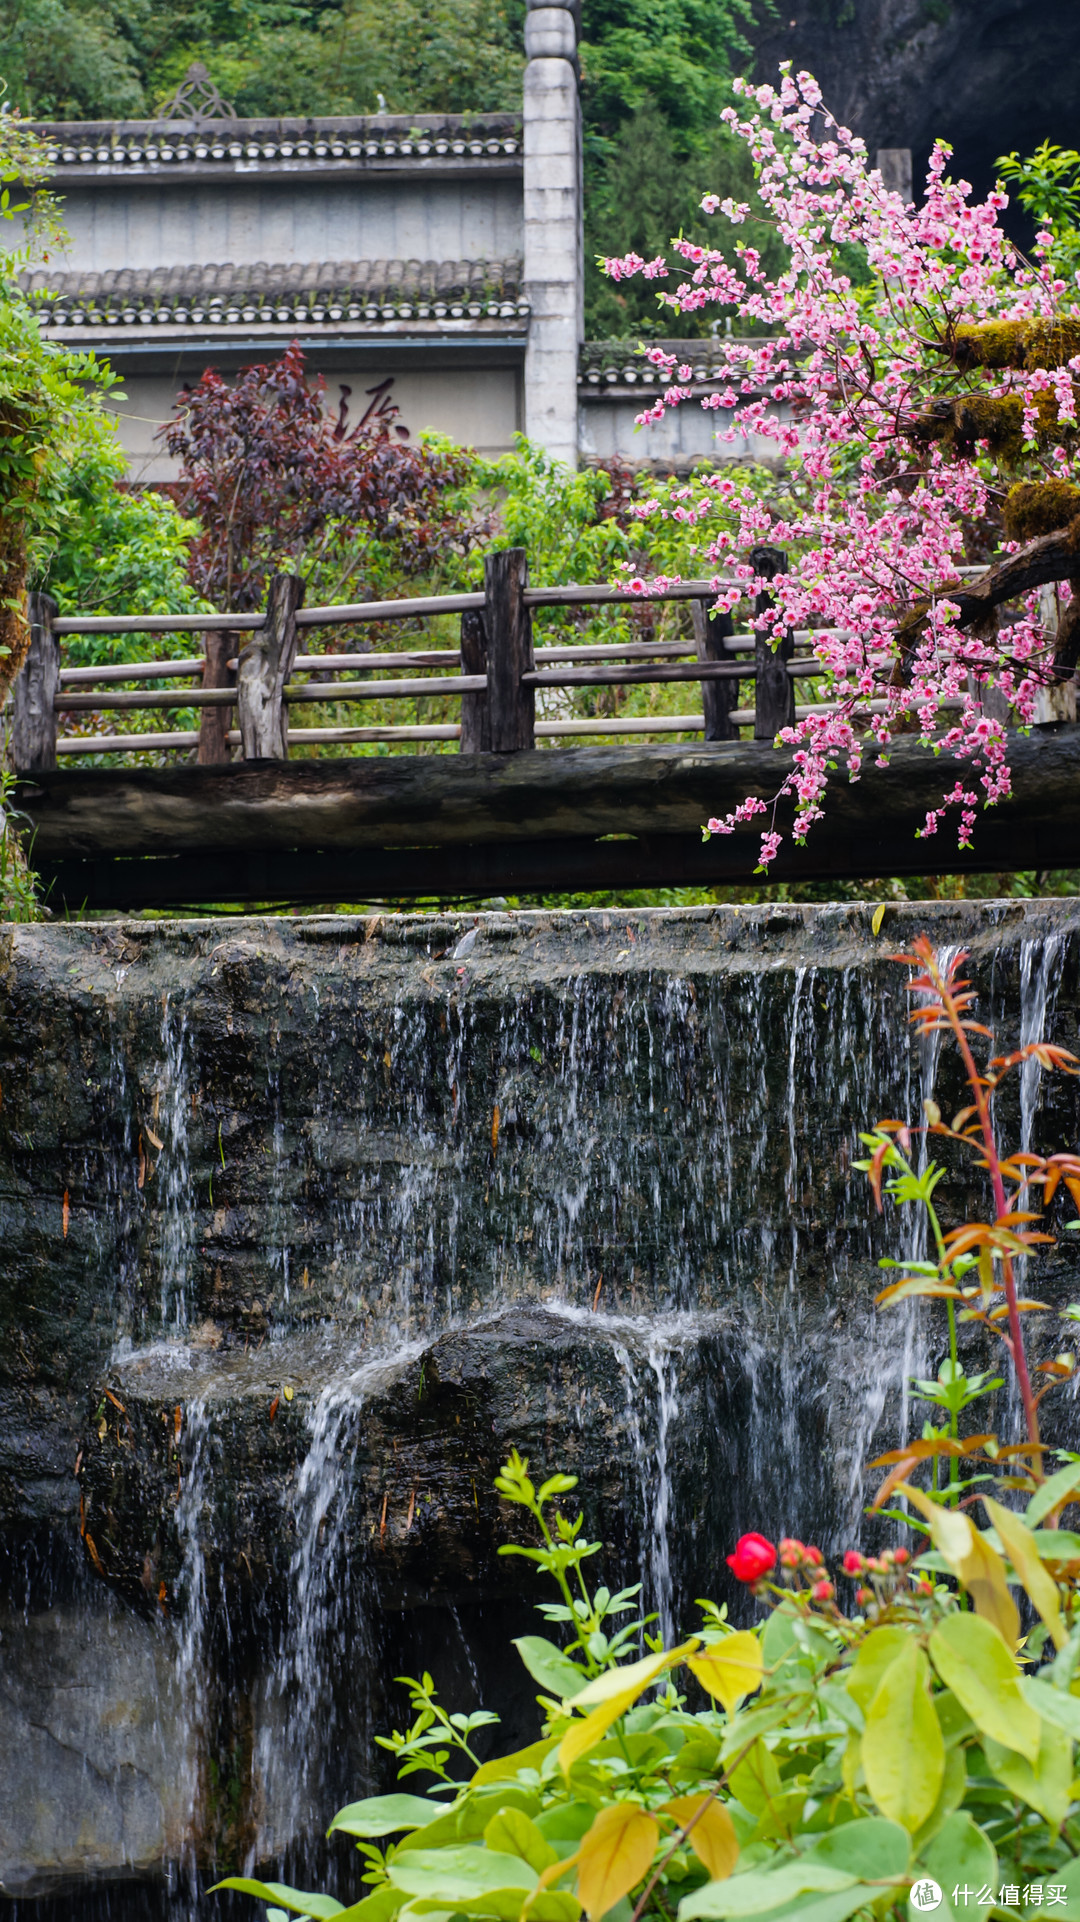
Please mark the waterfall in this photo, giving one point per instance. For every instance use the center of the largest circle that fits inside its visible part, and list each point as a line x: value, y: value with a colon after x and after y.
x: 584, y: 1188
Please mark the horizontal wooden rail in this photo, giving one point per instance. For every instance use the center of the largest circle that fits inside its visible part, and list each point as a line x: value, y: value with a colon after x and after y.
x: 349, y: 614
x: 175, y: 697
x: 127, y: 743
x: 622, y: 596
x: 129, y: 671
x: 155, y: 623
x: 405, y: 689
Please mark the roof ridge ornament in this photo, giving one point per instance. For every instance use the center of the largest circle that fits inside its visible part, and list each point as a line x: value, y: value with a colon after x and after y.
x: 196, y: 100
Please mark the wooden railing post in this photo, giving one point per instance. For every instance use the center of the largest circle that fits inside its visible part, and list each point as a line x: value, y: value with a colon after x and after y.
x: 475, y: 713
x: 219, y: 648
x: 774, y: 689
x: 265, y: 664
x: 1057, y: 702
x: 719, y: 699
x: 33, y: 701
x: 508, y: 624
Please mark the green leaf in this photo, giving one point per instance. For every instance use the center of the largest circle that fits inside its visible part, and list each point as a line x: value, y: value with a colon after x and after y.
x: 1067, y: 1878
x: 951, y: 1793
x: 972, y: 1659
x: 511, y: 1832
x: 1052, y: 1493
x: 554, y: 1671
x: 876, y: 1654
x: 825, y: 1884
x: 1052, y: 1704
x: 960, y: 1855
x: 1044, y: 1787
x: 457, y: 1874
x: 323, y: 1906
x: 503, y: 1768
x: 903, y: 1750
x: 384, y: 1815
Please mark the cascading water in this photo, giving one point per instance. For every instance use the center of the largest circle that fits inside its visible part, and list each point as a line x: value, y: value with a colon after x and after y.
x: 580, y: 1184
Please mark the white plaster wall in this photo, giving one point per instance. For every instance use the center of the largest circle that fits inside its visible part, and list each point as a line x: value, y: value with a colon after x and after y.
x: 606, y: 428
x: 119, y: 224
x: 477, y: 406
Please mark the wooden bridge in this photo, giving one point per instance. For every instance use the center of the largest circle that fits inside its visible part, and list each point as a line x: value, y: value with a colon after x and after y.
x: 503, y: 815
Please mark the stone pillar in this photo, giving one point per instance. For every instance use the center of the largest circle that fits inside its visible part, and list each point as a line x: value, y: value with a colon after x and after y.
x: 553, y: 233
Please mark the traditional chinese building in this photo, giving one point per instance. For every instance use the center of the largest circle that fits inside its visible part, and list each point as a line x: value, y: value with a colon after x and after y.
x: 432, y: 259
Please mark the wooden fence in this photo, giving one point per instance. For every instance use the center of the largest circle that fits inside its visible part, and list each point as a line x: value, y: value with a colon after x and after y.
x: 244, y: 681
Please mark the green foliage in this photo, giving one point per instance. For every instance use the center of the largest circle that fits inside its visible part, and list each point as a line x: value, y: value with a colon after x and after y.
x: 1047, y: 185
x: 676, y: 53
x: 839, y: 1758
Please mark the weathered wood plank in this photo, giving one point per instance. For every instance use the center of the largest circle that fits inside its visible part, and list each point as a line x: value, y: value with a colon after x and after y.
x: 266, y: 662
x: 215, y: 722
x: 508, y: 625
x: 718, y: 703
x: 574, y: 794
x: 33, y: 717
x: 774, y: 695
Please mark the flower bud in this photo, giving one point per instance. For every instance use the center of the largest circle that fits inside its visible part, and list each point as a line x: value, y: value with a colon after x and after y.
x: 901, y: 1556
x: 854, y: 1563
x: 814, y: 1556
x: 822, y: 1592
x: 753, y: 1558
x: 864, y: 1596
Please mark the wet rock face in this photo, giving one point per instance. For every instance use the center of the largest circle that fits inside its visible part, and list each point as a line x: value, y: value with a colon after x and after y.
x: 986, y: 75
x: 307, y: 1223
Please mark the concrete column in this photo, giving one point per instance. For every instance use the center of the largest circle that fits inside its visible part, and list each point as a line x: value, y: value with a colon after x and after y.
x: 553, y: 232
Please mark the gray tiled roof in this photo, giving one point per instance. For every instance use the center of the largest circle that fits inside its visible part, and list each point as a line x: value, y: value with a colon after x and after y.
x: 319, y: 293
x: 309, y: 142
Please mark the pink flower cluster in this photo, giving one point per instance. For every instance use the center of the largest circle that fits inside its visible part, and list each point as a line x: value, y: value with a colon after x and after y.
x: 874, y: 524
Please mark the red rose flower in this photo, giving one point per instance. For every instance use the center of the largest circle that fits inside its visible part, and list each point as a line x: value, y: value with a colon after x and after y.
x: 753, y: 1558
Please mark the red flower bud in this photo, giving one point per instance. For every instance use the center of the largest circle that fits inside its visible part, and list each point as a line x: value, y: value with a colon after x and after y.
x: 901, y: 1556
x: 854, y: 1563
x: 864, y: 1596
x: 814, y: 1556
x: 753, y: 1558
x: 822, y: 1592
x: 924, y: 1588
x: 791, y: 1551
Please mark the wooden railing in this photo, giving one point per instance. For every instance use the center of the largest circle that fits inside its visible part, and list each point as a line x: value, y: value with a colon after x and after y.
x: 248, y: 662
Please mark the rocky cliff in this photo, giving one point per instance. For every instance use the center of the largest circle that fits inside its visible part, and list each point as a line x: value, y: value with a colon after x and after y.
x: 991, y: 76
x: 306, y: 1223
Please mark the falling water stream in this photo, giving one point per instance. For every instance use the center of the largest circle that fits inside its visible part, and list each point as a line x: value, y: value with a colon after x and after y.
x: 614, y: 1214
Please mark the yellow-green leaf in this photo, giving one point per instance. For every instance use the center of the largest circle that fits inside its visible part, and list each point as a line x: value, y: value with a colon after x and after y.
x: 712, y: 1837
x: 877, y: 918
x: 513, y: 1833
x: 977, y: 1566
x: 503, y: 1767
x: 632, y: 1675
x: 1046, y: 1787
x: 613, y: 1693
x: 729, y: 1670
x: 973, y: 1661
x: 756, y: 1782
x: 615, y: 1855
x: 1024, y: 1555
x: 876, y: 1654
x: 903, y: 1751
